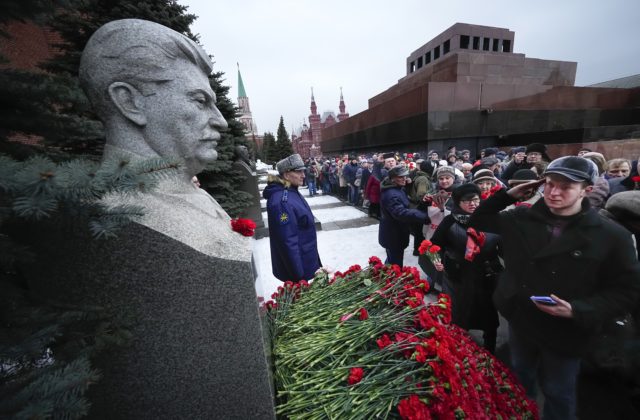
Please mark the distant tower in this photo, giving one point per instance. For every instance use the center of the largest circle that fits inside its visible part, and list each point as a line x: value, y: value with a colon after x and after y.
x: 245, y: 112
x: 314, y: 121
x: 343, y: 115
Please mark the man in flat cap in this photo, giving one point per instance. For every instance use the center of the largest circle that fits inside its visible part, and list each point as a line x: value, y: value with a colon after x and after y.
x: 292, y: 231
x: 567, y: 272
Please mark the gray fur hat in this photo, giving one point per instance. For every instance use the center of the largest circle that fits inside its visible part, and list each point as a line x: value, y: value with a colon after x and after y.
x: 291, y: 163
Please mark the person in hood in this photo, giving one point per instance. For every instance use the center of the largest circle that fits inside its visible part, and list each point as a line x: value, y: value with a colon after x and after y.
x: 292, y: 231
x: 397, y: 217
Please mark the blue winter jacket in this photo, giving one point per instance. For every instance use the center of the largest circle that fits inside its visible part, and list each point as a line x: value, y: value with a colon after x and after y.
x: 349, y: 172
x: 397, y: 217
x: 292, y: 234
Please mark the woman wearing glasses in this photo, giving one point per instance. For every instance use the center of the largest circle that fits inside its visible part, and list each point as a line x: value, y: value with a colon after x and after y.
x: 470, y: 261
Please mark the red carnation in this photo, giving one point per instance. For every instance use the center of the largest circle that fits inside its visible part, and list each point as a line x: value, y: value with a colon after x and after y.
x: 374, y: 261
x: 384, y: 341
x: 245, y: 227
x: 355, y: 268
x: 413, y: 408
x: 434, y: 248
x: 363, y: 314
x: 636, y: 178
x: 355, y: 375
x: 424, y: 246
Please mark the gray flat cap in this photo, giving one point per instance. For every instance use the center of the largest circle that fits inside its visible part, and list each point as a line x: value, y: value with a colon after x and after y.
x: 291, y: 163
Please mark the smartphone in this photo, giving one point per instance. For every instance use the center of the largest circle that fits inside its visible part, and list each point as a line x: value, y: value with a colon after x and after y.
x: 544, y: 300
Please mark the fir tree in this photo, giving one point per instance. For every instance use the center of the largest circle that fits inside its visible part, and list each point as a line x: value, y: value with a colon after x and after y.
x: 269, y: 149
x: 82, y: 18
x: 283, y: 143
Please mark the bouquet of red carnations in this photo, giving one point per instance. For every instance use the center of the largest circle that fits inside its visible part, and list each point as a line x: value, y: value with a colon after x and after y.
x: 431, y: 250
x: 365, y: 344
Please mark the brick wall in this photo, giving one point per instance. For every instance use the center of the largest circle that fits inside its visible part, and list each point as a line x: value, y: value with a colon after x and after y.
x: 28, y: 46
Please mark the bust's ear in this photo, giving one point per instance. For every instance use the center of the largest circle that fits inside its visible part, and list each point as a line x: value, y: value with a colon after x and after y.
x: 128, y: 100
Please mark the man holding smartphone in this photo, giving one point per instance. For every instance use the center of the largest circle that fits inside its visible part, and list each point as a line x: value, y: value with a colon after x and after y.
x: 566, y: 272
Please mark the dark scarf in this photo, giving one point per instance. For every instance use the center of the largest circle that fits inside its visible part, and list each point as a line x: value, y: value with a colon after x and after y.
x: 460, y: 215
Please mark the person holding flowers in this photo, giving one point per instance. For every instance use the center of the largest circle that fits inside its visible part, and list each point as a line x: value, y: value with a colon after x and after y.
x: 470, y: 261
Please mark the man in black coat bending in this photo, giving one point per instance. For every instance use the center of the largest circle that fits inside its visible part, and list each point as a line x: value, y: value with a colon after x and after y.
x: 567, y: 271
x: 397, y: 217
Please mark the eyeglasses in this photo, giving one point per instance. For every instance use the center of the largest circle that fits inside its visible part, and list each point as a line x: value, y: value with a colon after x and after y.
x: 473, y: 200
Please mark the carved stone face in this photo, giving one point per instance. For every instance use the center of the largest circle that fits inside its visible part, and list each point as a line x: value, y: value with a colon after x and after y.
x: 182, y: 118
x: 242, y: 153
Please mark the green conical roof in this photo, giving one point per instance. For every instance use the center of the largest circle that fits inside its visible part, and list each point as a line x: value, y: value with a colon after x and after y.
x: 241, y: 92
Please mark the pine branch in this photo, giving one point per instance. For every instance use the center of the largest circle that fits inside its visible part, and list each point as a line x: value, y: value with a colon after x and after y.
x: 112, y: 219
x: 35, y: 207
x: 38, y: 188
x: 57, y: 393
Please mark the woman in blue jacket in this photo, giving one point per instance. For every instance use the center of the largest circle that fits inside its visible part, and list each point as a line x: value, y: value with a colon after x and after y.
x: 292, y: 232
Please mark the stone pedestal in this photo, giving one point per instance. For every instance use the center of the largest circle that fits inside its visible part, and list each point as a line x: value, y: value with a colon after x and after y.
x: 250, y: 185
x: 197, y: 347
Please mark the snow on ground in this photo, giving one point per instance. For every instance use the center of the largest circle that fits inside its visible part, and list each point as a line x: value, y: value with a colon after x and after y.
x: 261, y: 166
x: 317, y: 200
x: 325, y: 215
x: 338, y: 213
x: 339, y: 249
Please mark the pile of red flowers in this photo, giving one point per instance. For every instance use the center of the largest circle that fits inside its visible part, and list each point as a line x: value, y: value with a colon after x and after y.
x: 364, y: 343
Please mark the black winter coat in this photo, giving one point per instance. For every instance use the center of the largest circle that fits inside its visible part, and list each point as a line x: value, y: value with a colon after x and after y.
x: 397, y: 217
x: 592, y: 265
x: 473, y: 281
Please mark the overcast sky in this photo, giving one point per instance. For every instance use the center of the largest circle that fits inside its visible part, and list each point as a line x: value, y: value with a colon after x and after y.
x: 285, y: 47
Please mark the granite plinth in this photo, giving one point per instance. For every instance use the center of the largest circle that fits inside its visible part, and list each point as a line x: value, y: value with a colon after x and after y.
x: 250, y: 185
x: 197, y: 347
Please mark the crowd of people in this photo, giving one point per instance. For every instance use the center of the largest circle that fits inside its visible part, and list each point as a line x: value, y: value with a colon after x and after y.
x: 550, y: 244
